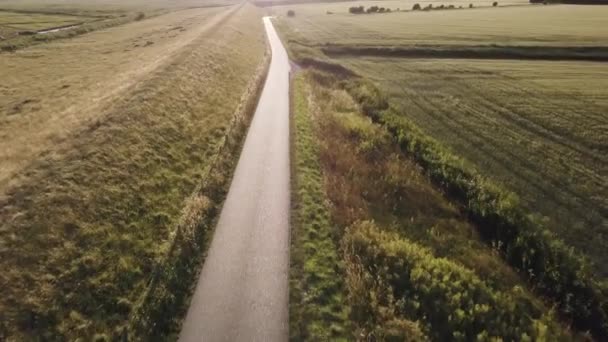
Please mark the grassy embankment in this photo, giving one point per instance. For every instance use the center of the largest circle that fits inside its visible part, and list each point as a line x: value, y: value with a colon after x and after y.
x: 104, y: 233
x: 21, y: 20
x: 413, y: 267
x: 554, y: 270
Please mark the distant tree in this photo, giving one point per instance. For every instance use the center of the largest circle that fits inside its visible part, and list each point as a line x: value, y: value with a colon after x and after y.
x: 416, y: 7
x: 357, y: 9
x: 451, y: 7
x: 373, y: 9
x: 140, y: 16
x: 428, y: 7
x: 495, y: 3
x: 381, y: 10
x: 441, y: 6
x: 330, y: 12
x: 470, y: 5
x: 291, y: 13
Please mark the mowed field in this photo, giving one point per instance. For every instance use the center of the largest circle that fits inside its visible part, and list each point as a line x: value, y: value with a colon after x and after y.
x: 104, y: 138
x: 537, y: 127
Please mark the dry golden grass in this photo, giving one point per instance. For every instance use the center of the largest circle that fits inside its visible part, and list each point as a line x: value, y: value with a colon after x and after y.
x: 54, y: 90
x: 106, y: 181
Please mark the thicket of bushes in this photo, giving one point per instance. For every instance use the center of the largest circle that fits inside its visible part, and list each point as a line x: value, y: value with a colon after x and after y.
x: 553, y: 268
x: 448, y: 300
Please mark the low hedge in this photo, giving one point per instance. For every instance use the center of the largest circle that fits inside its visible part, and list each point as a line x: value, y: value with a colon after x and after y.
x: 451, y: 301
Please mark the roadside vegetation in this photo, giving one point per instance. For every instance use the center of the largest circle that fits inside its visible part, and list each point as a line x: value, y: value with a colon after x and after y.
x: 101, y: 235
x: 516, y: 147
x: 415, y: 268
x: 316, y: 303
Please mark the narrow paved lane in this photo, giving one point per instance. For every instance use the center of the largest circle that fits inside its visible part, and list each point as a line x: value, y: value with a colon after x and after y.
x: 242, y: 293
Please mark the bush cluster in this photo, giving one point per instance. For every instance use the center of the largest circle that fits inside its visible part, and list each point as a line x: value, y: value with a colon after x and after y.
x: 555, y: 269
x: 450, y: 302
x: 372, y: 9
x: 430, y: 7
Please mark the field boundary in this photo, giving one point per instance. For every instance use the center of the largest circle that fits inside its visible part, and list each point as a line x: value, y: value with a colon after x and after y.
x: 549, y: 53
x: 172, y: 283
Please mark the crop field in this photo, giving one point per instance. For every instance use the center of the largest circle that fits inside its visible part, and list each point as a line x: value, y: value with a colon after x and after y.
x: 533, y: 26
x: 540, y: 128
x: 368, y: 188
x: 499, y: 117
x: 105, y: 137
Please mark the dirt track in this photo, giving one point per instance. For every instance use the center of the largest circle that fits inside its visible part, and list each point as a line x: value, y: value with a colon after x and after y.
x: 242, y: 293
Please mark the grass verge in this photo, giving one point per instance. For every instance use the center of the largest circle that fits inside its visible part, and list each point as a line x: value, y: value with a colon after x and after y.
x: 317, y: 310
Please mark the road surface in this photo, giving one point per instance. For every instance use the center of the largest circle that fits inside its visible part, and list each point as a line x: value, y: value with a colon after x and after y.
x: 242, y: 293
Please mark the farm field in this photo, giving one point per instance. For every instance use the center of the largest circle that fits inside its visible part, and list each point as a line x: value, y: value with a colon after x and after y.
x: 540, y: 128
x: 366, y: 187
x: 533, y: 26
x: 106, y: 141
x: 497, y: 116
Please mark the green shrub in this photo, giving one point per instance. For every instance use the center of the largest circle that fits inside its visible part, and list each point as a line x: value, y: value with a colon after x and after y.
x: 373, y: 9
x: 356, y: 10
x: 450, y: 301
